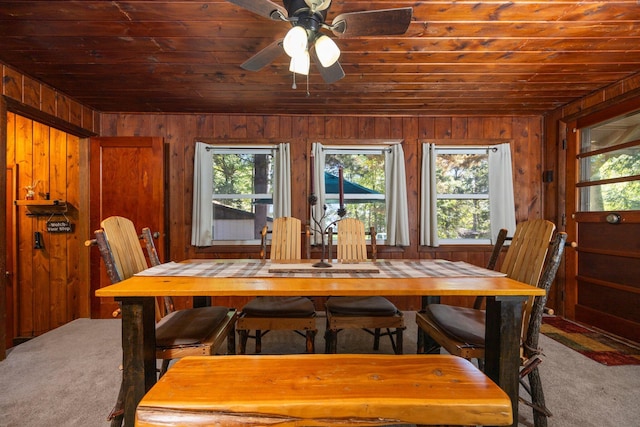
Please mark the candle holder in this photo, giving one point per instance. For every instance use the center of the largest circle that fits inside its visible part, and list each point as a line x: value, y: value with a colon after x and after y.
x: 317, y: 227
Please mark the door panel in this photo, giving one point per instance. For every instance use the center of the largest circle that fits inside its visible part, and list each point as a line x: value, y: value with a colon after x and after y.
x: 608, y: 271
x: 127, y: 179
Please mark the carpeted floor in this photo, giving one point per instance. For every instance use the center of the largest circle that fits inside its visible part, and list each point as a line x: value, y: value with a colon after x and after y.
x: 595, y: 345
x: 69, y: 377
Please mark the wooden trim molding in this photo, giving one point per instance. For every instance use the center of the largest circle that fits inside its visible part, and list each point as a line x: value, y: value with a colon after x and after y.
x: 44, y: 118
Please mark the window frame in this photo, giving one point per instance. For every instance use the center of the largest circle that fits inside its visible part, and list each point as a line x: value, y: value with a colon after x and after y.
x: 346, y: 149
x: 241, y: 148
x: 586, y: 184
x: 472, y: 150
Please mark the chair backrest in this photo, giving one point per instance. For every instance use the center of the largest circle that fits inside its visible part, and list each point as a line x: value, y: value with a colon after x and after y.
x: 526, y: 255
x: 497, y: 248
x: 493, y: 260
x: 286, y: 239
x: 124, y: 243
x: 352, y: 244
x: 121, y: 250
x: 532, y: 325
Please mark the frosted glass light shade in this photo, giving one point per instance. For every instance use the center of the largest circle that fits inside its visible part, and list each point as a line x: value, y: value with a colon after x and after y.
x: 327, y: 51
x: 295, y: 42
x: 300, y: 64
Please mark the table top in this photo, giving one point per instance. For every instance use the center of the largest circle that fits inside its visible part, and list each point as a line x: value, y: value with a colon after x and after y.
x: 145, y: 286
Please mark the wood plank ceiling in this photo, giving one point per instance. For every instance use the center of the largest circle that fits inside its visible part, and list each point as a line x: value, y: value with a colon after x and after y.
x: 457, y: 57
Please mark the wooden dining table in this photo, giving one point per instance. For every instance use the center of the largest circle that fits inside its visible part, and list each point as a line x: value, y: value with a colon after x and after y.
x: 136, y: 296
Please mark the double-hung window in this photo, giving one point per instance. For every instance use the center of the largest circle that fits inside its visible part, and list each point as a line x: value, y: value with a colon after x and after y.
x: 467, y: 194
x: 242, y: 192
x: 364, y: 185
x: 234, y: 192
x: 462, y: 188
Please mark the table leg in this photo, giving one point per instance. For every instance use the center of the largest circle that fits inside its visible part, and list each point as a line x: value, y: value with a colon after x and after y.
x: 502, y: 345
x: 138, y: 352
x: 201, y: 302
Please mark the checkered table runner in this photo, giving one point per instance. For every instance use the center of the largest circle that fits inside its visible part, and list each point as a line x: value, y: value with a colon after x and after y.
x: 387, y: 269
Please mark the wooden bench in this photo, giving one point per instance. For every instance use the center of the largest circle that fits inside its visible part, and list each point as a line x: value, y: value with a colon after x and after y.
x: 324, y: 390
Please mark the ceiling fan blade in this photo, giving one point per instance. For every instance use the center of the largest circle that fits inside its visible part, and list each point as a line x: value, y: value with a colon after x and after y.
x: 330, y: 74
x: 264, y: 57
x: 384, y: 22
x: 265, y: 8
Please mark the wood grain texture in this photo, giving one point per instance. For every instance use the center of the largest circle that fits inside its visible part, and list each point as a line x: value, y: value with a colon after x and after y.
x: 324, y: 390
x: 140, y: 286
x: 482, y: 57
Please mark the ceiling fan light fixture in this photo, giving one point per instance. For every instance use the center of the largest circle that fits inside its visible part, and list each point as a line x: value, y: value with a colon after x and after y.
x: 300, y: 64
x: 327, y: 50
x: 315, y: 5
x: 295, y: 42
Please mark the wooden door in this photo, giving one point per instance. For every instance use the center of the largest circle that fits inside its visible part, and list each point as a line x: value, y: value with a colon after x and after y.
x: 127, y: 179
x: 602, y: 287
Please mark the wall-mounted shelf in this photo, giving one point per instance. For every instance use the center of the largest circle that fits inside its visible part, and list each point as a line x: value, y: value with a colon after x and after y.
x: 43, y: 207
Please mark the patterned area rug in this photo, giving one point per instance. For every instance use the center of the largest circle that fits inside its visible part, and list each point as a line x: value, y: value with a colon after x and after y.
x: 593, y: 344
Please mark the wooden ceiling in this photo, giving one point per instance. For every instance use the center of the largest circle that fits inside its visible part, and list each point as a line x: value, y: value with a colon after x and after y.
x: 457, y: 57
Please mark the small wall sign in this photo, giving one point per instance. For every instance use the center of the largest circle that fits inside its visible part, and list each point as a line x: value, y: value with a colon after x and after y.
x: 60, y: 226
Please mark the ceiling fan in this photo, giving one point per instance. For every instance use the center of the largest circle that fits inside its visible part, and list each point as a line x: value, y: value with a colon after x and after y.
x: 305, y: 41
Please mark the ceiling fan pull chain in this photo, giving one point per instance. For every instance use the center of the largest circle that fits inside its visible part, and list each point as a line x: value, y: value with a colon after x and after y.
x: 308, y: 94
x: 294, y: 86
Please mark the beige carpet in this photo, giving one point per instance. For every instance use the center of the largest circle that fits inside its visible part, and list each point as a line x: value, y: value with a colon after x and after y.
x: 70, y: 377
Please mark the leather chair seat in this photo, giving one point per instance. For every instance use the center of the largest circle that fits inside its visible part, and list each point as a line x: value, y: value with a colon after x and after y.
x: 279, y: 307
x: 189, y: 327
x: 361, y: 306
x: 462, y: 323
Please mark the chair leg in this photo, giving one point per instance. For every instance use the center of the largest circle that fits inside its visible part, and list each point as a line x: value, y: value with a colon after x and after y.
x: 165, y: 366
x: 244, y: 336
x: 258, y: 341
x: 420, y: 342
x: 399, y: 340
x: 231, y: 341
x: 540, y: 411
x: 330, y: 341
x: 311, y: 341
x: 116, y: 416
x: 376, y: 339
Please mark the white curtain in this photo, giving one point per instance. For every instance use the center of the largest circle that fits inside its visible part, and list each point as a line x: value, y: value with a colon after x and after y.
x: 201, y: 229
x: 501, y: 200
x: 396, y: 197
x: 282, y: 184
x: 318, y: 189
x: 428, y: 210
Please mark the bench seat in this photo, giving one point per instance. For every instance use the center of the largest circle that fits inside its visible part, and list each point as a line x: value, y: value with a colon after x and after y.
x: 324, y: 390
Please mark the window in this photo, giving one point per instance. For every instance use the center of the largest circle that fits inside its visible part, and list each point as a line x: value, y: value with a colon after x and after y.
x: 234, y: 194
x: 467, y: 193
x: 364, y: 185
x: 462, y: 188
x: 242, y: 192
x: 610, y: 165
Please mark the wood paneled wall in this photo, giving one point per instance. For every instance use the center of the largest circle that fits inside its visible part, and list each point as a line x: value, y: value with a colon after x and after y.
x: 46, y: 99
x: 181, y: 131
x: 49, y: 290
x: 56, y: 280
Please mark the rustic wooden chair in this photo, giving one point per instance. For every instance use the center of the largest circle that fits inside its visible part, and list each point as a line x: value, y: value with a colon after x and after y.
x: 179, y: 333
x: 460, y: 330
x: 370, y: 314
x: 264, y: 314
